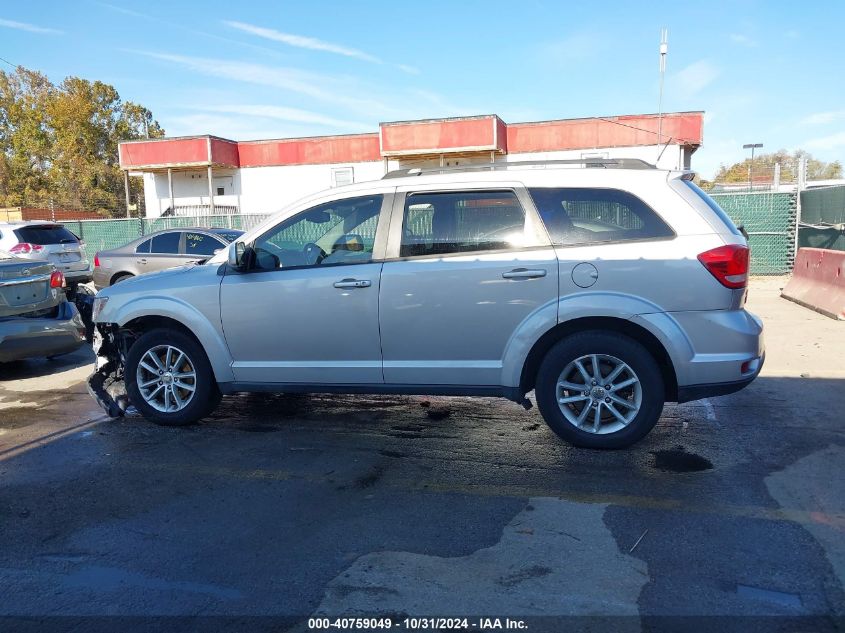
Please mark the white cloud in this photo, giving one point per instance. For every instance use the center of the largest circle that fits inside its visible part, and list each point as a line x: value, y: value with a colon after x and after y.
x: 822, y: 118
x: 695, y: 77
x: 575, y: 47
x: 301, y: 41
x: 294, y: 115
x: 832, y: 141
x: 411, y: 70
x: 743, y: 40
x: 29, y: 28
x: 232, y: 127
x: 312, y: 43
x: 322, y: 87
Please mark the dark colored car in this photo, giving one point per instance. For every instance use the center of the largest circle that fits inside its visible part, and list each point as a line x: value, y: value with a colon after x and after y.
x: 157, y: 251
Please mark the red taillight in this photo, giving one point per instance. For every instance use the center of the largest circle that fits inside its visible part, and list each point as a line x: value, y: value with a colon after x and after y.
x: 25, y: 248
x: 96, y: 260
x: 57, y: 280
x: 728, y: 264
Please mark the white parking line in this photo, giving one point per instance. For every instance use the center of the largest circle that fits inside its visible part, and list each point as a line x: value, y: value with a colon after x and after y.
x: 710, y: 409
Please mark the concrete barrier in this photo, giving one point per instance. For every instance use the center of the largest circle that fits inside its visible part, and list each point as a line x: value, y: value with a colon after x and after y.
x: 818, y: 281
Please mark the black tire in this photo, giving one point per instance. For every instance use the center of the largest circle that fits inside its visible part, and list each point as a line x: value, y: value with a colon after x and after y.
x: 206, y: 396
x: 613, y: 344
x: 121, y: 277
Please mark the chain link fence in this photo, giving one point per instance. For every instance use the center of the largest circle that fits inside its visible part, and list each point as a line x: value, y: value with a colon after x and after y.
x: 101, y: 235
x: 769, y: 219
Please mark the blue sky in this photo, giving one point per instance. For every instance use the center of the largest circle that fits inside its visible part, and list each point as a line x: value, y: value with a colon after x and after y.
x: 767, y: 72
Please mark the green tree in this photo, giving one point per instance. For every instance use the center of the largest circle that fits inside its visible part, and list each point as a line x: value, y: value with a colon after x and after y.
x: 60, y: 142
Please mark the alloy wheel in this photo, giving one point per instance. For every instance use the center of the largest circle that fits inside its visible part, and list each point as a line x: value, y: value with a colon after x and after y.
x: 599, y: 393
x: 166, y: 378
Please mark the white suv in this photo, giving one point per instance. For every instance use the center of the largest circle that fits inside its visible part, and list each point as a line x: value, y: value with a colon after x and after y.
x: 607, y: 287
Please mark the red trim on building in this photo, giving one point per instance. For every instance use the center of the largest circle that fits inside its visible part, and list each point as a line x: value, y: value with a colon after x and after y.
x: 440, y: 136
x: 623, y: 131
x: 224, y: 153
x: 310, y: 151
x: 172, y: 152
x: 415, y: 138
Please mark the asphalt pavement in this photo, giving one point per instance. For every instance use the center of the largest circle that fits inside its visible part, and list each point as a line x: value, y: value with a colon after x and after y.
x: 280, y: 508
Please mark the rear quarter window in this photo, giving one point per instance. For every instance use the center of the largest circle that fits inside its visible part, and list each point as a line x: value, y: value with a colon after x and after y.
x: 574, y: 215
x: 714, y: 206
x: 46, y: 234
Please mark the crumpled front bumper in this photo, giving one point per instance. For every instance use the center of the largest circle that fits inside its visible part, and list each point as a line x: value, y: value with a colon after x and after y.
x: 106, y: 384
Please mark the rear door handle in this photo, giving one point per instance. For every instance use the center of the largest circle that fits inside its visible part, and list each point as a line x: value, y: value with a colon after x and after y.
x: 142, y: 261
x: 524, y: 273
x: 353, y: 283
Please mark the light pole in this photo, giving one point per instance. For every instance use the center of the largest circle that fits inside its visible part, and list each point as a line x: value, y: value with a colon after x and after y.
x: 752, y: 147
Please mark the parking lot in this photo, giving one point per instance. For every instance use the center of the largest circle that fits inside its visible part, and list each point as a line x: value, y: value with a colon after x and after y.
x: 289, y: 506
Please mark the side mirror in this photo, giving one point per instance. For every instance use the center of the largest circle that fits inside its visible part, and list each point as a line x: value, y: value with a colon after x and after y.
x: 236, y: 254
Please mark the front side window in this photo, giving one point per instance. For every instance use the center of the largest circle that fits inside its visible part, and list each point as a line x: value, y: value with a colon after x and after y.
x: 166, y: 243
x: 460, y: 222
x: 201, y: 244
x: 584, y: 216
x: 338, y: 232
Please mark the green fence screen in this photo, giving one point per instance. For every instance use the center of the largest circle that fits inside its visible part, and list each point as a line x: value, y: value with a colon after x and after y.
x: 101, y: 235
x: 822, y: 217
x: 769, y: 219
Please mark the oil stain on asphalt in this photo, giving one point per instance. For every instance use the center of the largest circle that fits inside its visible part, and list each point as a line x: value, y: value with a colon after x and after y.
x: 678, y: 460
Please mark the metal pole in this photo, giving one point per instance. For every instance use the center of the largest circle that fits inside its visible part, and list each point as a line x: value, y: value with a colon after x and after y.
x: 751, y: 171
x: 664, y: 49
x: 210, y: 192
x: 170, y: 190
x: 126, y: 189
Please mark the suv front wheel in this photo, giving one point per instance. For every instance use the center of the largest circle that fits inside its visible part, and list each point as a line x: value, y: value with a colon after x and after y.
x: 169, y: 379
x: 600, y: 390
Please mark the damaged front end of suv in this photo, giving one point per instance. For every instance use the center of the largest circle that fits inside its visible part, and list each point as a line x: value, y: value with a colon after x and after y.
x: 106, y: 385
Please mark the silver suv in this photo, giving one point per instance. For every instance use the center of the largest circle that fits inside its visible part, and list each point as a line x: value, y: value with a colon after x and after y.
x: 607, y: 287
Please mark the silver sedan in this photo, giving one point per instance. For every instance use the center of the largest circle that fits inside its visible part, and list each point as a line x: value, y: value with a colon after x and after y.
x: 158, y: 251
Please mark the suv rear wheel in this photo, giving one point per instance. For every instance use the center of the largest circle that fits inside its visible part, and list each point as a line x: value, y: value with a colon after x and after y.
x: 600, y: 390
x: 169, y: 379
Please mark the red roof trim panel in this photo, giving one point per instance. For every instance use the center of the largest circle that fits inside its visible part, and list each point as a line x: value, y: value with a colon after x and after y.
x: 318, y: 150
x: 442, y: 136
x: 636, y: 130
x: 161, y: 153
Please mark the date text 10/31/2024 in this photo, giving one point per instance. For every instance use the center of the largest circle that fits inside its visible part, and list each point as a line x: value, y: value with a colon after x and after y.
x: 412, y: 624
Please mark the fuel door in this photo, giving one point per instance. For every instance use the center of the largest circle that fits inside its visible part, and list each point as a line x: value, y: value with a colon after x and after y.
x: 584, y: 275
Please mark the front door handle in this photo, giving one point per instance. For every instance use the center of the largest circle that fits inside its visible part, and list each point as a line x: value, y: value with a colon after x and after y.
x: 353, y: 283
x: 524, y: 273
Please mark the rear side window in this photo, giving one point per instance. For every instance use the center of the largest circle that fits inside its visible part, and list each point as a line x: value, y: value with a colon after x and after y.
x: 167, y: 243
x: 143, y: 247
x: 585, y: 216
x: 460, y: 222
x: 710, y: 202
x: 46, y: 234
x: 228, y: 236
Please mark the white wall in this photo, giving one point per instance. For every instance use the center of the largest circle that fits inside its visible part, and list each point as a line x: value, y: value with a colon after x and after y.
x: 268, y: 189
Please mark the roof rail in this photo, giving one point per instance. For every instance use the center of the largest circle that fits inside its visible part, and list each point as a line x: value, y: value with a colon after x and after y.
x: 600, y: 163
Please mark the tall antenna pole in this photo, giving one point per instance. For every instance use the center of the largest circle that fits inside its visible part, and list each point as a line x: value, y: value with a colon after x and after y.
x: 664, y: 49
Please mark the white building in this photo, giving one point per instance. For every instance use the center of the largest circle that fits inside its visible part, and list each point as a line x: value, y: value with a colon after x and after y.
x: 207, y: 174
